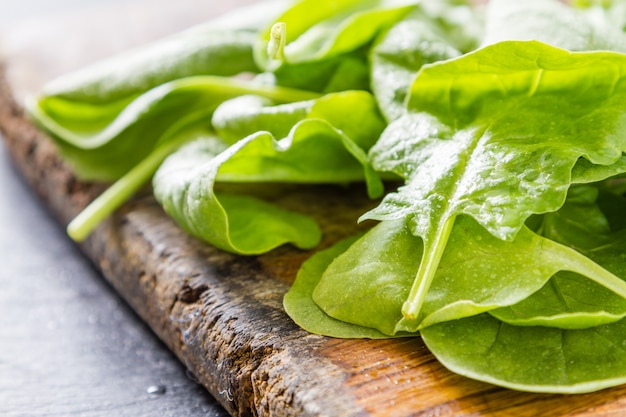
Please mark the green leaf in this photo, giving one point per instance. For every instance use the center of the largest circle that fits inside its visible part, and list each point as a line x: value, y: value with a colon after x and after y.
x: 242, y: 116
x: 397, y: 56
x: 435, y: 31
x: 107, y: 149
x: 315, y: 30
x: 343, y: 72
x: 351, y: 116
x: 305, y: 313
x: 569, y: 300
x: 491, y: 135
x: 126, y: 76
x: 314, y: 152
x: 585, y: 172
x: 478, y: 272
x: 537, y: 359
x: 355, y: 113
x: 238, y: 223
x: 367, y: 283
x: 580, y: 223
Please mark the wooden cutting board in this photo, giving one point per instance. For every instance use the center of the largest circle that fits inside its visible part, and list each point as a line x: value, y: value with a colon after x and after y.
x: 222, y: 314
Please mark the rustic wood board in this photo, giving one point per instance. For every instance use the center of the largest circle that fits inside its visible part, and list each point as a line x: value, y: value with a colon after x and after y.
x: 222, y: 314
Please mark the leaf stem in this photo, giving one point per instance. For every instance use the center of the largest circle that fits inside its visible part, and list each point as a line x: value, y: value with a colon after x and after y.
x: 276, y: 44
x: 114, y: 196
x: 579, y: 263
x: 426, y: 271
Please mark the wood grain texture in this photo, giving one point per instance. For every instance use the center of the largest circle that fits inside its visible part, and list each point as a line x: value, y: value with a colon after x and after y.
x: 222, y: 314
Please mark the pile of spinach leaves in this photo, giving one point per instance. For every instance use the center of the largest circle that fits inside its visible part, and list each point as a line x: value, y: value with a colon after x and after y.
x: 505, y: 245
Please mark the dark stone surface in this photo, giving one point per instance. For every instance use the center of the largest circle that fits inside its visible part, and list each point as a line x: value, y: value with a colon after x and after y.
x: 68, y: 344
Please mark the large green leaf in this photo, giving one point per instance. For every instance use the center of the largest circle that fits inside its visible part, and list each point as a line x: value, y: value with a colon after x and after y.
x: 539, y: 359
x: 570, y: 300
x: 103, y: 143
x: 314, y: 151
x: 495, y: 135
x: 478, y: 272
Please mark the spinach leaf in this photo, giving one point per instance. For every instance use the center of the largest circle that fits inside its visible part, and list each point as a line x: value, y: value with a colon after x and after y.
x: 399, y: 53
x: 585, y: 172
x: 242, y: 116
x: 350, y: 119
x: 106, y: 150
x: 580, y: 223
x: 314, y: 30
x: 355, y: 113
x: 569, y: 300
x: 313, y: 152
x: 305, y: 313
x: 376, y: 271
x: 436, y: 31
x: 491, y: 134
x: 197, y: 52
x: 344, y: 72
x: 538, y: 359
x: 322, y: 46
x: 478, y: 272
x: 184, y: 187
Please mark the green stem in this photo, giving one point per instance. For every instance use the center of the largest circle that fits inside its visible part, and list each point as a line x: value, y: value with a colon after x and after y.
x: 579, y: 263
x: 118, y: 193
x: 276, y: 44
x: 427, y: 269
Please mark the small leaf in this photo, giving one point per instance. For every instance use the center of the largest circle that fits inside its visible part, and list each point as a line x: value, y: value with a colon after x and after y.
x: 305, y: 313
x: 314, y: 152
x: 184, y: 187
x: 397, y: 56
